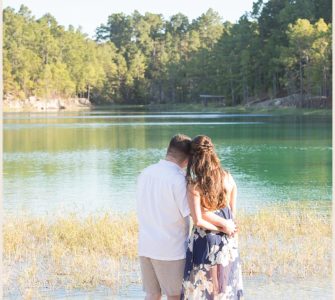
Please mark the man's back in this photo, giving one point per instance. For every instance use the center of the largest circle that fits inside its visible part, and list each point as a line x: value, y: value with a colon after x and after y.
x: 162, y: 211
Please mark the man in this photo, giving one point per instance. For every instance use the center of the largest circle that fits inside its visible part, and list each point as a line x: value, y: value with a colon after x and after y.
x: 163, y: 216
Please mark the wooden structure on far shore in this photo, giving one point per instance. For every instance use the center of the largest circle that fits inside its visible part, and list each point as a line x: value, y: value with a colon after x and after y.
x: 218, y: 99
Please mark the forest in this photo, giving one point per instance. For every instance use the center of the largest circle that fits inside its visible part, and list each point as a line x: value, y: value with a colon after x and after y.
x: 279, y: 48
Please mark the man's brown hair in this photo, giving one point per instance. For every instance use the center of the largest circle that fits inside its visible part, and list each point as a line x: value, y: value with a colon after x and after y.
x: 179, y: 147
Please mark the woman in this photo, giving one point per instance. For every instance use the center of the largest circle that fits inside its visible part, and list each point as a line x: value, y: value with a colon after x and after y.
x: 212, y: 269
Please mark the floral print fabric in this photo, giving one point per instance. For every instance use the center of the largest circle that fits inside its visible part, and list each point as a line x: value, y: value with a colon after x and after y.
x: 213, y: 269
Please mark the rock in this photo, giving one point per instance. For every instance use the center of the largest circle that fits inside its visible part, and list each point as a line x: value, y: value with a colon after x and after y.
x: 53, y: 104
x: 32, y: 99
x: 84, y: 101
x: 8, y: 97
x: 16, y: 104
x: 34, y: 104
x: 39, y: 105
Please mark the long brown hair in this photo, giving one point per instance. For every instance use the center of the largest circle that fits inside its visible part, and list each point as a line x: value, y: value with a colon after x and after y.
x: 205, y: 173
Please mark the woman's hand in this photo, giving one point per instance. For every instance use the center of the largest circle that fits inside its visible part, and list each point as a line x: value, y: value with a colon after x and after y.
x: 228, y: 227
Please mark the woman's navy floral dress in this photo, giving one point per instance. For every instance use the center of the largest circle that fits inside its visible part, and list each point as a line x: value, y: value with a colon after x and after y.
x: 213, y: 269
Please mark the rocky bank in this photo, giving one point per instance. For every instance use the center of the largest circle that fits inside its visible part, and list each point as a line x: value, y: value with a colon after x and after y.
x: 35, y: 104
x: 294, y: 101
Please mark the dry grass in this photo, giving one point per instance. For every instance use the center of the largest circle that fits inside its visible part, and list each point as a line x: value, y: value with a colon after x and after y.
x: 69, y: 252
x: 101, y: 250
x: 290, y: 240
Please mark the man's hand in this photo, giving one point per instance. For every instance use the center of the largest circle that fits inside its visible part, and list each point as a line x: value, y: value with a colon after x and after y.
x: 229, y: 227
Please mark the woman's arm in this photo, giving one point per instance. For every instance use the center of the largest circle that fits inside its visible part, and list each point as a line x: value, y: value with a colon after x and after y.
x: 233, y: 194
x: 193, y: 198
x: 226, y: 226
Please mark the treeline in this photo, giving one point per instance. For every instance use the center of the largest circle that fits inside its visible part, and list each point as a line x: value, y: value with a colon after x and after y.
x: 281, y: 47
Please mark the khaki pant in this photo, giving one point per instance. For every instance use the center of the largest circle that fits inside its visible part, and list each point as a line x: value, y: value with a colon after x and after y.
x: 162, y: 276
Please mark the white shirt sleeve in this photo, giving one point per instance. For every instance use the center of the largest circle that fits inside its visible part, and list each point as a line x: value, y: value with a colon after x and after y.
x: 180, y: 196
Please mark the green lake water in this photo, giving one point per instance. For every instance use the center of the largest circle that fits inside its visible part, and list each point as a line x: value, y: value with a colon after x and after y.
x: 89, y: 161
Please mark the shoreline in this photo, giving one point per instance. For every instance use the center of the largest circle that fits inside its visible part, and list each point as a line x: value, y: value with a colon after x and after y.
x: 34, y: 104
x: 180, y: 108
x: 238, y: 109
x: 255, y: 288
x: 290, y: 104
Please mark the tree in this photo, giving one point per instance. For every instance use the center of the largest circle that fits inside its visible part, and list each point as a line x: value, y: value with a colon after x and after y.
x: 307, y: 58
x: 281, y: 47
x: 117, y: 30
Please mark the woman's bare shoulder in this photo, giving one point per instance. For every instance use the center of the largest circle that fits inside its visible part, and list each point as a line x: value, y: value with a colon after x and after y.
x: 230, y: 177
x: 192, y: 189
x: 229, y: 180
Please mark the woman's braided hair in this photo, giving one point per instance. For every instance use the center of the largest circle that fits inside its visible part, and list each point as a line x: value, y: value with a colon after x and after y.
x: 205, y: 173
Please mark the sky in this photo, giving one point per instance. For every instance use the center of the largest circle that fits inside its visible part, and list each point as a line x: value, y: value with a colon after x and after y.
x: 91, y: 14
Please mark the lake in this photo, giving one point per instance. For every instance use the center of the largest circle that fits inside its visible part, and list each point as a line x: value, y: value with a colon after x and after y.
x: 88, y: 161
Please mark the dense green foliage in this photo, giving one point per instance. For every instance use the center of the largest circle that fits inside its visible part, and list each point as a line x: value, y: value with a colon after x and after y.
x: 282, y: 47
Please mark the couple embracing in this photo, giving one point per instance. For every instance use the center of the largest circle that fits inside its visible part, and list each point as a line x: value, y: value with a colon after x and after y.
x: 205, y: 263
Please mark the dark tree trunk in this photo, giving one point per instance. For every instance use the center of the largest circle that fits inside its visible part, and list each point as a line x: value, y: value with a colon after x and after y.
x: 301, y: 84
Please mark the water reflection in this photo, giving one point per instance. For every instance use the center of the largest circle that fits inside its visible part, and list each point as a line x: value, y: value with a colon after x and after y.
x: 89, y: 161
